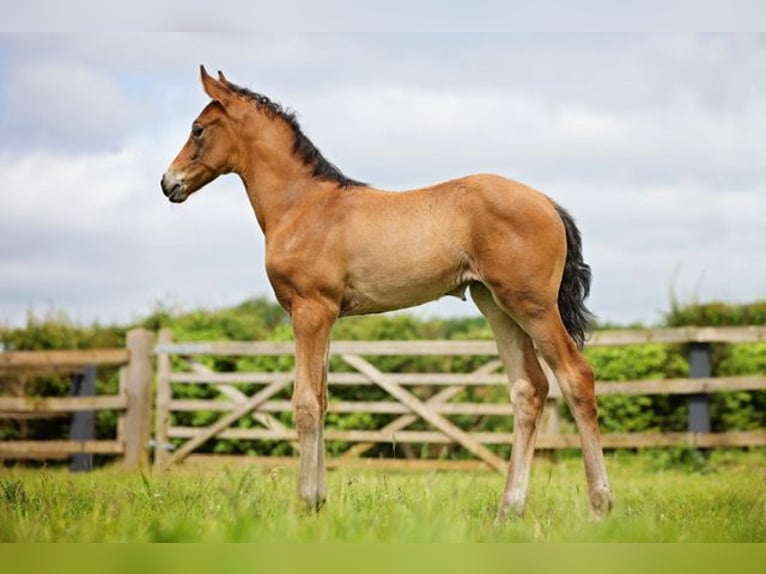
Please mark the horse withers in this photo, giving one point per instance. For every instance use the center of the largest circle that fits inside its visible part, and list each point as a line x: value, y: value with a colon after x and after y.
x: 337, y: 247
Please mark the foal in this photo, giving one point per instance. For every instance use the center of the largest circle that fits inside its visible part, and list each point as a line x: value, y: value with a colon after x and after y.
x: 337, y: 247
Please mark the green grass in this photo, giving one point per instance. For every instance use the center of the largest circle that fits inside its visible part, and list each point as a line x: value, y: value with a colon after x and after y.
x: 657, y: 499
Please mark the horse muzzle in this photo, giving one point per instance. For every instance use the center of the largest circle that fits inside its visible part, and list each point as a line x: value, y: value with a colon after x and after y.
x: 174, y: 187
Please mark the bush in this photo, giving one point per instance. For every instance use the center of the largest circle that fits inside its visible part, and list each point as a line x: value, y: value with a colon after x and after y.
x: 715, y: 314
x: 629, y: 413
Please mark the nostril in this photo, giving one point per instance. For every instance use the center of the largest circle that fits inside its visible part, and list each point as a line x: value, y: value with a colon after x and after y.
x: 168, y: 183
x: 163, y: 185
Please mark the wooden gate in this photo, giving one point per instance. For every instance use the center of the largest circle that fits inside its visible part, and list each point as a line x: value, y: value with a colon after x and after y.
x: 428, y: 409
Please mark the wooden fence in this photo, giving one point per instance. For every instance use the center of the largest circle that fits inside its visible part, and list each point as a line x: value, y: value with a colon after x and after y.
x: 428, y: 399
x: 134, y: 400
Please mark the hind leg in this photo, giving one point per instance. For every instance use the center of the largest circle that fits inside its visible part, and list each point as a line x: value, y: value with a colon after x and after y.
x: 529, y: 388
x: 575, y: 377
x: 536, y: 312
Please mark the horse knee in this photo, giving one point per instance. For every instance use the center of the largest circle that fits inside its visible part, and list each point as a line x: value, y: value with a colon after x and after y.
x: 528, y: 399
x: 308, y: 414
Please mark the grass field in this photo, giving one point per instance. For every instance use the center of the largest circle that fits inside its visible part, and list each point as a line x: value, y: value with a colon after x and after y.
x: 657, y: 499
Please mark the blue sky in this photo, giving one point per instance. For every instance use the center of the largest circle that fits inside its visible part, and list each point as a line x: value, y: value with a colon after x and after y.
x: 652, y: 141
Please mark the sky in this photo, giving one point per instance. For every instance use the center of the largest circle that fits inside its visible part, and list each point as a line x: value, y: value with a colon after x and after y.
x: 653, y: 141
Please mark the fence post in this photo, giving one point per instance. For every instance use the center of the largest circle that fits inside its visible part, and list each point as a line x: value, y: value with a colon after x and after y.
x: 164, y: 395
x: 83, y: 422
x: 138, y: 387
x: 699, y: 404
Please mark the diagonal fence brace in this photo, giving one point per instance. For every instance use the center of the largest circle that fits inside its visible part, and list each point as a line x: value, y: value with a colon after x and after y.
x: 245, y: 408
x: 417, y: 406
x: 403, y: 421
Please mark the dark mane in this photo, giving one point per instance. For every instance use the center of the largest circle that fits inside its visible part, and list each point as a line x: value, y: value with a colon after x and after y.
x: 303, y: 148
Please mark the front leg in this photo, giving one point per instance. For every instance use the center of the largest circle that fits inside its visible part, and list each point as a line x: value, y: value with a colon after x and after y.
x: 312, y: 321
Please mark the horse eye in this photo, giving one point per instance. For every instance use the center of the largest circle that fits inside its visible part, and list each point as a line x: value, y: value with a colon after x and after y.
x: 196, y: 130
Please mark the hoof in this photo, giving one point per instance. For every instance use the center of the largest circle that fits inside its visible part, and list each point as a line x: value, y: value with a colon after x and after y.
x: 601, y: 502
x: 311, y: 503
x: 511, y: 508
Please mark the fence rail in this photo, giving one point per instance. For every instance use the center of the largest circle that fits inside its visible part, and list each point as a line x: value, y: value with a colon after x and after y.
x: 408, y: 402
x: 610, y: 338
x: 432, y: 400
x: 60, y: 361
x: 133, y: 400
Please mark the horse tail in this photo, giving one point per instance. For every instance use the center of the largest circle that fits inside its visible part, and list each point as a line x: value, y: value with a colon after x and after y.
x: 575, y: 283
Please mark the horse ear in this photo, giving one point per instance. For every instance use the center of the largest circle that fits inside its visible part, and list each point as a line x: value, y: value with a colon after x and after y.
x: 214, y: 88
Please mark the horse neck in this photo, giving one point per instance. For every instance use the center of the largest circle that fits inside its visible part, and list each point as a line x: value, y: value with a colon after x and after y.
x: 275, y: 181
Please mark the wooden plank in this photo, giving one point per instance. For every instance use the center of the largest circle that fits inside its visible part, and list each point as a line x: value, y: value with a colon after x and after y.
x: 603, y: 388
x: 544, y: 441
x: 707, y: 440
x: 699, y: 440
x: 214, y: 429
x: 378, y: 348
x: 751, y: 334
x: 643, y: 440
x: 163, y: 400
x: 371, y: 436
x: 416, y: 348
x: 63, y: 359
x: 61, y: 404
x: 227, y: 348
x: 214, y: 405
x: 681, y: 386
x: 666, y: 386
x: 348, y: 379
x: 375, y: 407
x: 237, y: 378
x: 729, y: 439
x: 632, y: 387
x: 56, y: 448
x: 139, y: 376
x: 329, y: 434
x: 274, y: 462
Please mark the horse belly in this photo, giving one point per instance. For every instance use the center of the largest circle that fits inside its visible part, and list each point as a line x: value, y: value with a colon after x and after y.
x: 408, y: 283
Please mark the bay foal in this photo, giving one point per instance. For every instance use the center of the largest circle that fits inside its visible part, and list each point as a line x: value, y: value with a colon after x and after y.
x: 337, y: 247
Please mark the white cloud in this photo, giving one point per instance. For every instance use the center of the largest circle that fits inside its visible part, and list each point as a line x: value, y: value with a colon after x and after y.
x: 83, y: 193
x: 653, y: 143
x: 432, y: 133
x: 395, y: 15
x: 645, y: 241
x: 64, y: 103
x: 93, y: 234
